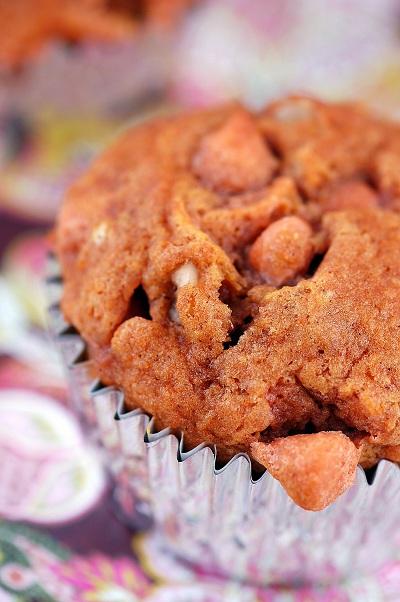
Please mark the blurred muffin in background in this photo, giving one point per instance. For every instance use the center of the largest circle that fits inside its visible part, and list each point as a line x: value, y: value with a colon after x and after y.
x: 71, y: 73
x: 29, y: 25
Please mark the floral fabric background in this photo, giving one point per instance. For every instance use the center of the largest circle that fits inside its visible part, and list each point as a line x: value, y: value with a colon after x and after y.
x: 52, y: 485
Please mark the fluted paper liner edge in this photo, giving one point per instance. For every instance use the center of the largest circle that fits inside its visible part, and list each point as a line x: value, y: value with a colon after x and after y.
x: 221, y: 519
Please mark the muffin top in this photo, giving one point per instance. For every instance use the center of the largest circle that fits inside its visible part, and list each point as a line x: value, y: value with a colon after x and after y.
x: 237, y: 275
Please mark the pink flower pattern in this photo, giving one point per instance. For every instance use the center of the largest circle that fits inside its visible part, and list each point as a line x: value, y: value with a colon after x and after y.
x: 99, y: 578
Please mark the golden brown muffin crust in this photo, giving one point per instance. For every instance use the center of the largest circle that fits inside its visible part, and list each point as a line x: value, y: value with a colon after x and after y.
x: 238, y: 276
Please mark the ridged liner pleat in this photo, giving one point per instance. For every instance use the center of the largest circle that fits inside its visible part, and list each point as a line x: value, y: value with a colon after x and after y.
x: 221, y: 519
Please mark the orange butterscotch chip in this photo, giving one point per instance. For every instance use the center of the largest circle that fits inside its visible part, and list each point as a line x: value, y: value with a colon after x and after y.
x: 235, y: 157
x: 314, y: 469
x: 283, y: 250
x: 348, y: 194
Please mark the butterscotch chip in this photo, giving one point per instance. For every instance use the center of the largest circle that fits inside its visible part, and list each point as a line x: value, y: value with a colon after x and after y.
x: 283, y: 250
x: 216, y: 289
x: 351, y: 194
x: 314, y: 469
x: 235, y: 158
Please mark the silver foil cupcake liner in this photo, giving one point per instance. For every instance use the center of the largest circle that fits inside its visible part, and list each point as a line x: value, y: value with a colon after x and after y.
x: 221, y: 519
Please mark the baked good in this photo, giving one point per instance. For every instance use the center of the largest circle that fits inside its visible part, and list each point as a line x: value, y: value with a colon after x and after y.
x: 30, y: 24
x: 238, y: 276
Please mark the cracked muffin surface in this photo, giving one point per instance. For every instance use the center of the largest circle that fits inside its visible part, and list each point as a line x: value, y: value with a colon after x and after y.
x: 237, y: 275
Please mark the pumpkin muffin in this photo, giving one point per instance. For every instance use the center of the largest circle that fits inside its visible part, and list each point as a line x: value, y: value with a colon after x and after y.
x: 28, y: 25
x: 237, y: 275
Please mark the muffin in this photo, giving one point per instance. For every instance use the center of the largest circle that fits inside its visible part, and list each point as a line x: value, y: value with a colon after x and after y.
x: 237, y: 276
x: 33, y: 25
x: 55, y: 111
